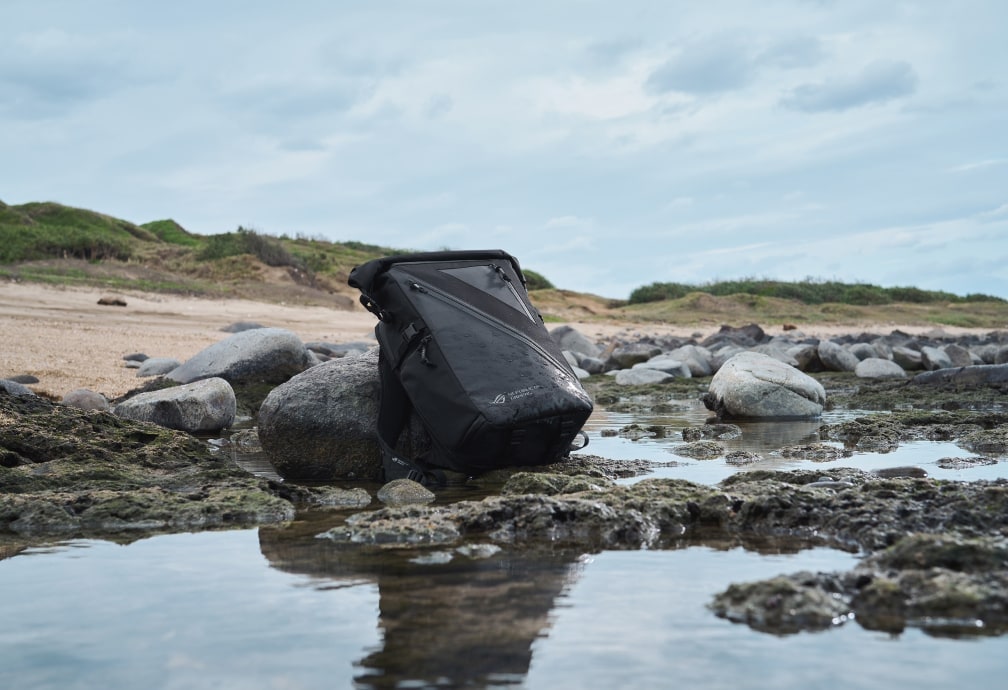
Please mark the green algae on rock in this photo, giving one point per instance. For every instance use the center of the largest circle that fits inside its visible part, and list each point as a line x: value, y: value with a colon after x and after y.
x: 66, y: 471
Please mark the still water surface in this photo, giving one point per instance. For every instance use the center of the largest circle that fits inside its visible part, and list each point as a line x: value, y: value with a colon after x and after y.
x: 277, y: 607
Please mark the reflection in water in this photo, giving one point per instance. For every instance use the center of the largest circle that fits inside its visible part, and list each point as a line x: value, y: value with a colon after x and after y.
x: 473, y: 620
x: 446, y: 617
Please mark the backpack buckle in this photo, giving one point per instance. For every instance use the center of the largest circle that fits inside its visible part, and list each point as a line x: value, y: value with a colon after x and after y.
x: 374, y: 308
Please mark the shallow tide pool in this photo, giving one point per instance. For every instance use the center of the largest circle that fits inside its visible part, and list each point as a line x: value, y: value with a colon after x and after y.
x: 231, y: 610
x: 277, y: 607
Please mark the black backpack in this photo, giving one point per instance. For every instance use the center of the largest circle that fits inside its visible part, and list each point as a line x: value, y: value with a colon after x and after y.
x: 461, y: 345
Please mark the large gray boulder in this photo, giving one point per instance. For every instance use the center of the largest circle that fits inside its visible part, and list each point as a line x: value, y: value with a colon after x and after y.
x: 320, y: 425
x: 878, y: 368
x: 573, y: 340
x: 697, y: 358
x: 907, y: 358
x: 625, y: 356
x: 262, y: 355
x: 201, y: 406
x: 639, y: 377
x: 836, y: 357
x: 933, y: 358
x: 751, y: 384
x: 668, y: 364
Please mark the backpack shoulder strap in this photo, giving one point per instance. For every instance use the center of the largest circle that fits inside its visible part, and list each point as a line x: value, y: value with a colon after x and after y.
x: 393, y: 416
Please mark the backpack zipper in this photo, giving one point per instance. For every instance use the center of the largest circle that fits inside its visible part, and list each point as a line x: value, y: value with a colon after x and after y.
x: 486, y: 318
x: 514, y: 291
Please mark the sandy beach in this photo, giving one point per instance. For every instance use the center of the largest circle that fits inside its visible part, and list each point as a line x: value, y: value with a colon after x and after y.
x: 63, y: 337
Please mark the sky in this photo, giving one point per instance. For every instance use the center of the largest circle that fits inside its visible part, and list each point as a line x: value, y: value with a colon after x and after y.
x: 607, y: 145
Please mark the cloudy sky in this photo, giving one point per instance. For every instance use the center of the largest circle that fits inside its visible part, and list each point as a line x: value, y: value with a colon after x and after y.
x: 606, y: 144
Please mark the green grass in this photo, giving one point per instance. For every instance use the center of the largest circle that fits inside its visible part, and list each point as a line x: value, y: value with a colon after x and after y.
x: 807, y: 291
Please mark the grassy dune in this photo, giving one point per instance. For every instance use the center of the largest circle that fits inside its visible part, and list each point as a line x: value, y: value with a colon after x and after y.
x: 51, y: 243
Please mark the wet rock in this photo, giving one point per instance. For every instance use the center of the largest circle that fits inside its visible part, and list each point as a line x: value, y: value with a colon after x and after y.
x: 66, y: 471
x: 964, y: 463
x: 269, y: 355
x: 404, y: 491
x: 986, y: 441
x: 903, y: 471
x: 700, y: 450
x: 816, y: 452
x: 740, y: 458
x: 85, y: 399
x: 785, y: 605
x: 552, y: 484
x: 877, y: 368
x: 205, y: 405
x: 755, y: 385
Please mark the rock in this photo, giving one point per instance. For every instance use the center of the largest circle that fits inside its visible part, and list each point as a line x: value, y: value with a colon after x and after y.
x: 593, y: 365
x: 668, y: 364
x: 71, y: 472
x: 958, y: 355
x: 878, y: 368
x: 267, y: 355
x: 569, y: 338
x: 157, y: 366
x: 404, y: 491
x: 205, y: 405
x: 697, y: 358
x: 625, y: 356
x: 755, y: 385
x: 639, y: 377
x: 320, y: 425
x: 836, y: 357
x: 26, y: 379
x: 15, y: 388
x: 85, y: 399
x: 933, y: 358
x: 239, y: 326
x: 977, y: 375
x: 135, y: 357
x: 331, y: 350
x: 111, y: 301
x: 806, y: 357
x: 777, y: 351
x: 863, y: 351
x: 910, y: 360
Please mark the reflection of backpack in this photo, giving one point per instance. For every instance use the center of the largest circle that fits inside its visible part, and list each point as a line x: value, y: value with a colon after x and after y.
x: 463, y: 347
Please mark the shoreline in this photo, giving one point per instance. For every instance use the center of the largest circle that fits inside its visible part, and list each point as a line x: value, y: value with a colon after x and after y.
x: 63, y: 337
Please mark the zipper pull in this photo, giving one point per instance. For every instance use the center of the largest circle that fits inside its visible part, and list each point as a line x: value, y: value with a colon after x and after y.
x: 418, y: 287
x: 423, y: 350
x: 501, y: 272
